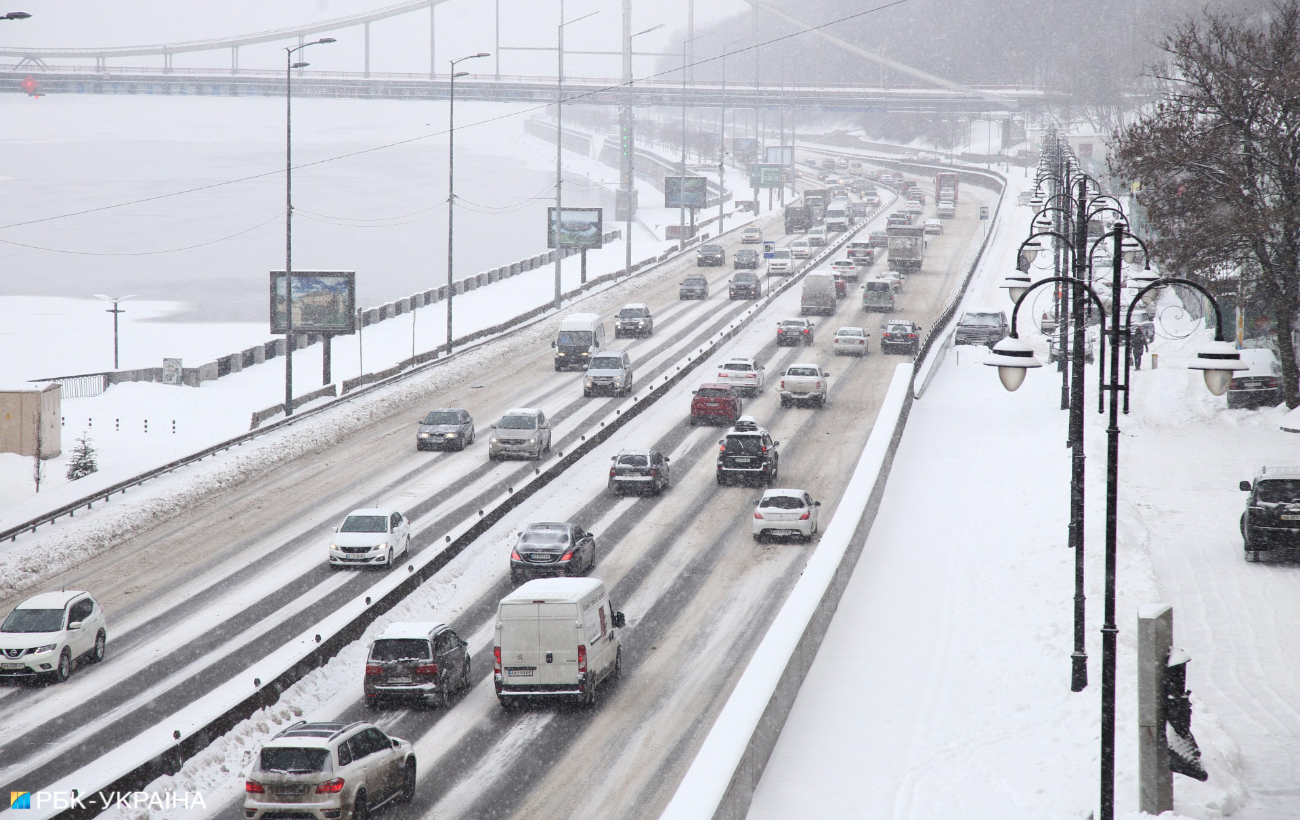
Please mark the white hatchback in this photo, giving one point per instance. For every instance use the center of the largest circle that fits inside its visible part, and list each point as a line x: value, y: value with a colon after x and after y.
x: 850, y: 341
x: 784, y: 513
x: 370, y: 537
x: 745, y: 375
x: 45, y: 635
x: 845, y: 266
x: 934, y: 226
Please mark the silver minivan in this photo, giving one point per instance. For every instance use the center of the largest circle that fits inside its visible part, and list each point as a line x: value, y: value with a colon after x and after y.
x: 878, y: 294
x: 608, y: 372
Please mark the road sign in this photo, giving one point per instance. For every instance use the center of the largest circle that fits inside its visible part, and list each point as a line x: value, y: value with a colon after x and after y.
x: 764, y: 175
x: 984, y: 212
x: 769, y: 249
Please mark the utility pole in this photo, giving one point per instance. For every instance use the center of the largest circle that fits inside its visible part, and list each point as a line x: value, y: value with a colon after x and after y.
x: 115, y: 311
x: 559, y: 148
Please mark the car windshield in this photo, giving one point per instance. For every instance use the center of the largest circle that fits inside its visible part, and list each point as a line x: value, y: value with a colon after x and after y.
x: 575, y: 337
x: 365, y: 523
x: 633, y: 313
x: 544, y: 538
x: 442, y: 417
x: 1272, y: 491
x: 711, y: 249
x: 741, y: 366
x: 782, y: 502
x: 802, y: 371
x: 695, y: 281
x: 781, y: 254
x: 400, y: 649
x: 634, y: 461
x: 878, y: 286
x: 745, y: 278
x: 606, y: 363
x: 518, y: 423
x: 33, y: 620
x: 712, y: 392
x: 303, y: 761
x: 794, y: 324
x: 982, y: 319
x: 743, y: 445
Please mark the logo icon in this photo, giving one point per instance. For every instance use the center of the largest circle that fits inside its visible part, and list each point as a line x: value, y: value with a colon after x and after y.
x: 20, y: 800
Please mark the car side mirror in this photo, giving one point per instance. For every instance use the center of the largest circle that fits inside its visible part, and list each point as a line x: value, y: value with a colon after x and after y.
x: 776, y: 444
x: 817, y: 503
x: 493, y: 426
x: 694, y: 392
x: 619, y: 620
x: 552, y: 344
x: 613, y: 458
x: 667, y: 459
x: 75, y: 625
x: 396, y: 743
x: 825, y: 374
x: 1245, y: 486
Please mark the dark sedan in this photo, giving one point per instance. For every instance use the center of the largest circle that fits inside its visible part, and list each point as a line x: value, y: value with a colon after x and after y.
x: 694, y: 287
x: 710, y: 256
x: 448, y: 428
x: 746, y: 258
x: 552, y: 549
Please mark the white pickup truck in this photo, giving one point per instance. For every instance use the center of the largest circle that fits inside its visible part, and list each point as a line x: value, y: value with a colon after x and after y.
x: 804, y: 382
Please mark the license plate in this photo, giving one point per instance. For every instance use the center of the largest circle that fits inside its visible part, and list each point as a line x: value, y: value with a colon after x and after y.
x: 291, y: 790
x: 539, y: 556
x: 13, y: 666
x: 1284, y: 518
x: 400, y: 679
x: 743, y: 460
x: 519, y: 673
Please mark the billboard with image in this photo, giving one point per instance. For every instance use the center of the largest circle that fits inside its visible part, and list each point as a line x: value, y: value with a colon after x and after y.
x: 580, y: 228
x: 689, y: 192
x: 323, y: 302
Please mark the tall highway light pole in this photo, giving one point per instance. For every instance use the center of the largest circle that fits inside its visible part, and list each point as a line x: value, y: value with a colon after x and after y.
x: 559, y: 148
x: 630, y: 124
x: 289, y: 66
x: 722, y: 137
x: 451, y: 191
x: 681, y: 191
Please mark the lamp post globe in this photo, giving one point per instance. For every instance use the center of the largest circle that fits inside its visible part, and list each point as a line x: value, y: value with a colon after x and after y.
x: 1013, y: 358
x: 1217, y: 361
x: 1016, y: 283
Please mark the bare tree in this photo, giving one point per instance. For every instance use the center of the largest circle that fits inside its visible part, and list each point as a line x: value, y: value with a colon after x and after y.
x: 1218, y: 159
x: 38, y: 466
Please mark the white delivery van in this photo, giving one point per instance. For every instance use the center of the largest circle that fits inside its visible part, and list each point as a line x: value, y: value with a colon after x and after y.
x: 782, y: 262
x: 837, y: 216
x: 580, y: 335
x: 818, y: 294
x: 556, y: 637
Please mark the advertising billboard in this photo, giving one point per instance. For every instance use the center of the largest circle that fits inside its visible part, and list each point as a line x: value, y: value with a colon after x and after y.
x: 580, y: 228
x: 780, y: 154
x: 323, y: 302
x: 764, y: 176
x: 691, y: 192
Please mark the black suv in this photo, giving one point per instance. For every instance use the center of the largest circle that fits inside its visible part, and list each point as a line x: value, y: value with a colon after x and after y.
x: 694, y: 287
x: 794, y: 332
x: 982, y: 328
x: 634, y: 320
x: 745, y: 258
x: 639, y: 470
x: 902, y: 337
x: 747, y: 453
x: 710, y: 256
x: 1272, y: 517
x: 745, y: 286
x: 550, y: 550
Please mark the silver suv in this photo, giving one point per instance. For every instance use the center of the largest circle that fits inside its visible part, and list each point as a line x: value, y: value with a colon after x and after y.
x: 608, y: 372
x: 521, y: 433
x: 329, y: 771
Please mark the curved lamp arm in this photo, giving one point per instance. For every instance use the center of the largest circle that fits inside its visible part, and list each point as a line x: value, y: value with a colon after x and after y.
x: 1070, y: 279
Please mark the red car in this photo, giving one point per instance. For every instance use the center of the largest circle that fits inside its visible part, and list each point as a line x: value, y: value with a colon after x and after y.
x: 713, y: 403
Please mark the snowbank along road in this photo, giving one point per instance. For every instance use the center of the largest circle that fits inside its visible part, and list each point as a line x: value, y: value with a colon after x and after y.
x: 198, y: 600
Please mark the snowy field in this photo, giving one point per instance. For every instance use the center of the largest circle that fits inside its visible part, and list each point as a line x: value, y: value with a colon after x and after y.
x: 943, y: 683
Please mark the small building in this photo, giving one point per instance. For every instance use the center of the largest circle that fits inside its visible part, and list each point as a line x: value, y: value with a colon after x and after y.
x: 22, y: 408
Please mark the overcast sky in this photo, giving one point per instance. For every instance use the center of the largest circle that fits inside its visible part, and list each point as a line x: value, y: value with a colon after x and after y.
x: 398, y: 44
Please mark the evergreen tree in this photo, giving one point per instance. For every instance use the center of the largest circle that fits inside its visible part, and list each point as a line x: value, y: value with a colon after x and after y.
x: 83, y: 459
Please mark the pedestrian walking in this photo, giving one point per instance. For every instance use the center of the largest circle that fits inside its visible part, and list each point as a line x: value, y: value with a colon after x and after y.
x: 1137, y: 346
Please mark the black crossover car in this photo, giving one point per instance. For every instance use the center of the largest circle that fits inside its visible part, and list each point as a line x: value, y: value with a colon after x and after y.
x: 745, y: 258
x: 694, y: 287
x: 747, y: 453
x: 900, y: 337
x: 1272, y: 517
x: 710, y: 256
x: 639, y: 470
x: 745, y: 286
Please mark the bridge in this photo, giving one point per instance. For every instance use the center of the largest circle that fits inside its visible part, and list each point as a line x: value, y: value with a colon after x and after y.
x: 101, y: 71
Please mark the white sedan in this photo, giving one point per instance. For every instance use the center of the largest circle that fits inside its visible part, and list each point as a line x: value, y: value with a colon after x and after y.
x: 850, y: 341
x: 785, y: 512
x: 934, y: 226
x: 746, y: 375
x: 370, y: 537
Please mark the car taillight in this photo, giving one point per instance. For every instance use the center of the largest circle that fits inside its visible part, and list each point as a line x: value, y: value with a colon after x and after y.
x: 911, y: 335
x: 568, y: 556
x: 427, y: 669
x: 1235, y: 384
x: 805, y: 516
x: 582, y: 658
x: 654, y: 473
x: 372, y: 669
x: 819, y: 385
x: 254, y: 788
x: 611, y: 472
x: 1270, y: 382
x: 514, y: 552
x: 330, y: 786
x: 496, y: 659
x: 805, y: 330
x: 783, y: 384
x: 758, y: 515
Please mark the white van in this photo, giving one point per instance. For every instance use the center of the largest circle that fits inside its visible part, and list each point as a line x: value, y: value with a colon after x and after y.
x: 818, y: 294
x: 837, y: 216
x: 580, y: 335
x: 782, y: 262
x: 556, y: 637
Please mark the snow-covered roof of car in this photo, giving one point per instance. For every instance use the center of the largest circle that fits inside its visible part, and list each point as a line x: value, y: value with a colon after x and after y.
x: 553, y: 589
x: 787, y: 492
x: 639, y: 305
x: 50, y: 600
x: 739, y: 360
x: 1278, y: 472
x: 417, y: 630
x: 384, y: 511
x: 522, y: 411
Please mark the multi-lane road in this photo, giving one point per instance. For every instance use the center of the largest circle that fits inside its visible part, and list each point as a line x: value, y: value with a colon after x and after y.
x: 210, y: 591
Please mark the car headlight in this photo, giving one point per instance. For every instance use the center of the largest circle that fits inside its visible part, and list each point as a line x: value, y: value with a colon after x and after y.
x: 424, y: 435
x: 334, y: 546
x: 494, y: 440
x: 561, y: 354
x: 452, y: 435
x: 47, y: 648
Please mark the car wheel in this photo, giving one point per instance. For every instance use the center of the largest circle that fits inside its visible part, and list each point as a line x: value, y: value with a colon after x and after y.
x: 64, y: 670
x: 101, y: 644
x: 722, y: 480
x: 443, y: 699
x: 1252, y: 556
x: 586, y: 394
x: 372, y: 702
x: 691, y: 421
x: 785, y: 402
x: 408, y: 783
x: 589, y: 700
x: 460, y: 444
x: 360, y: 808
x: 491, y: 456
x: 506, y: 703
x: 472, y: 436
x: 617, y: 671
x: 464, y: 676
x: 388, y: 564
